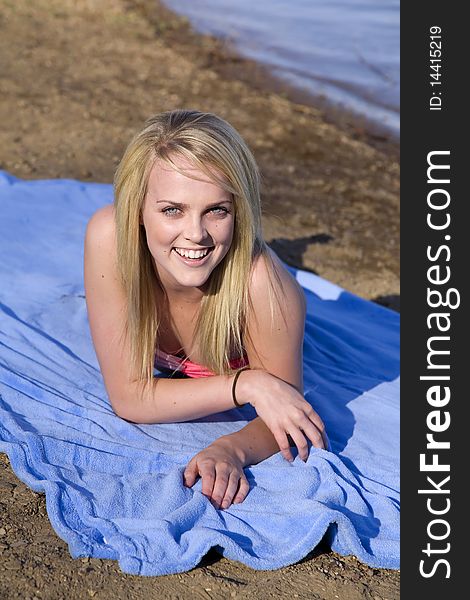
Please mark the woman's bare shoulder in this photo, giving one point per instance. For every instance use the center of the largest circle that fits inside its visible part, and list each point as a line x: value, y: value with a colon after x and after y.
x: 100, y: 240
x: 102, y: 284
x: 268, y: 272
x: 101, y: 225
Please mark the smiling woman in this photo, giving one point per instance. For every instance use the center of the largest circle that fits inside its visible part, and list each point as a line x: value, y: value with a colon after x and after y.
x: 177, y: 275
x: 180, y: 234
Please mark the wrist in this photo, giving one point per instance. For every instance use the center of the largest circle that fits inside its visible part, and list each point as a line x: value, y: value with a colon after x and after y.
x: 231, y: 442
x: 251, y: 444
x: 247, y: 385
x: 239, y: 388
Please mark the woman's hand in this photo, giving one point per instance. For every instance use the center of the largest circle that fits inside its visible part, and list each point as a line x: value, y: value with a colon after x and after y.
x: 221, y: 467
x: 284, y: 410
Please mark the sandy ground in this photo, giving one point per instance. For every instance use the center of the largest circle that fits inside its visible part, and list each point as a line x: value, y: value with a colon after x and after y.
x: 77, y: 79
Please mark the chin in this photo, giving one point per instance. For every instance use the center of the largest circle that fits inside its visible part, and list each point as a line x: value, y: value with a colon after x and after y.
x: 191, y: 280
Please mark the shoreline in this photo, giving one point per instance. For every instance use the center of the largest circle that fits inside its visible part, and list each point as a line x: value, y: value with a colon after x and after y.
x: 226, y: 59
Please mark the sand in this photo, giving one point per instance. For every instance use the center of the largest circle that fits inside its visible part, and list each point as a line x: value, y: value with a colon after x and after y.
x: 78, y: 78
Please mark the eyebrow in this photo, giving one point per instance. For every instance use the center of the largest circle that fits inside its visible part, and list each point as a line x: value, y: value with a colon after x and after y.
x: 183, y: 205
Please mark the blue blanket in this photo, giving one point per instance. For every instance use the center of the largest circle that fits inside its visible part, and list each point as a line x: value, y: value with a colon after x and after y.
x: 114, y: 489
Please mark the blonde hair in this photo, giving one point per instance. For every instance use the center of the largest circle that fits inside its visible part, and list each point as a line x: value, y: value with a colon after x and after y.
x: 216, y: 148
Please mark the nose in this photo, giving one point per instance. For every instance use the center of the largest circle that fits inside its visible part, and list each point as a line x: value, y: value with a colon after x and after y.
x: 195, y: 229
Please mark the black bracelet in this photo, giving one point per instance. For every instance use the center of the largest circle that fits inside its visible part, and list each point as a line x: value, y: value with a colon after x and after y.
x: 235, y: 379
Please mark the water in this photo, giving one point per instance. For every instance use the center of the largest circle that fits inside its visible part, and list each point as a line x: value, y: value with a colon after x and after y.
x: 347, y: 51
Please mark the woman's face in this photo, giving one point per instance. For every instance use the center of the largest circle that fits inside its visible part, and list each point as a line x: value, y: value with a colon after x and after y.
x: 188, y: 223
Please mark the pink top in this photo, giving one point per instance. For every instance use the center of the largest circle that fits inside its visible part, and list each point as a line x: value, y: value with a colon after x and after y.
x: 191, y: 369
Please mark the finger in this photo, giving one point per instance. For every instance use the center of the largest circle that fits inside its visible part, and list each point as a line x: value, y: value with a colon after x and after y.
x: 325, y: 440
x: 243, y: 489
x: 283, y: 443
x: 301, y: 442
x: 315, y: 418
x: 313, y: 434
x: 190, y: 473
x: 207, y: 473
x: 221, y: 483
x: 231, y: 490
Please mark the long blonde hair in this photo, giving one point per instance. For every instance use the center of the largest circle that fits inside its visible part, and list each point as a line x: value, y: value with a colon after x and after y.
x: 216, y: 148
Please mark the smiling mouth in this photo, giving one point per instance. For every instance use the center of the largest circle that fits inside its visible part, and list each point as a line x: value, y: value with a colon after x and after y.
x: 193, y: 254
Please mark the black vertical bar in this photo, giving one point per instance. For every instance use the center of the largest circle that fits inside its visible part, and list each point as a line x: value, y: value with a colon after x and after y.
x: 434, y: 261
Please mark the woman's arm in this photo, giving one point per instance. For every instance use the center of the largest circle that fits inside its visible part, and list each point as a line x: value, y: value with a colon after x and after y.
x: 275, y: 345
x: 274, y: 348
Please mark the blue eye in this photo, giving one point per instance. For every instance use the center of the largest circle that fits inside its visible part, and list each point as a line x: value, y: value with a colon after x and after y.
x: 170, y: 210
x: 173, y: 211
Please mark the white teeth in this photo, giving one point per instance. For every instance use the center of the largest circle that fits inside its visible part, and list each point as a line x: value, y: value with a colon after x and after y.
x: 192, y: 253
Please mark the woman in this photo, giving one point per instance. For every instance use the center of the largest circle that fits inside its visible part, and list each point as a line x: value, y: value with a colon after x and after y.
x: 177, y: 276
